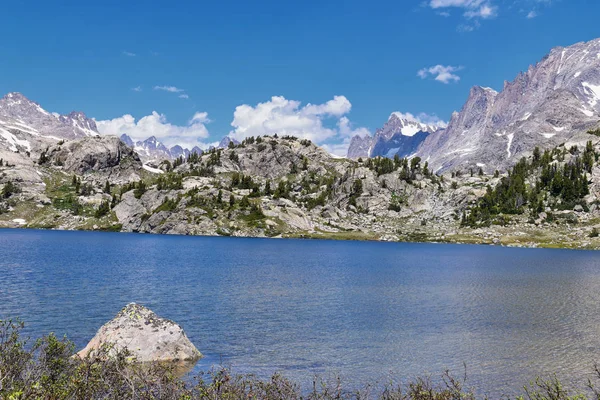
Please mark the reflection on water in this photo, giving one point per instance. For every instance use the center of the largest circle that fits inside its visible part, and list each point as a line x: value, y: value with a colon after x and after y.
x: 366, y: 311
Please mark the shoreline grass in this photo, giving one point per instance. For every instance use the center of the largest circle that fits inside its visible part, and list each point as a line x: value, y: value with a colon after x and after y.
x: 48, y: 369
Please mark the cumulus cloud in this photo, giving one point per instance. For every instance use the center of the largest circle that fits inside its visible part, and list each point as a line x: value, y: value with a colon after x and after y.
x: 287, y: 117
x: 184, y: 96
x: 339, y: 145
x: 137, y: 89
x: 440, y: 73
x: 346, y: 130
x: 325, y: 124
x: 129, y: 53
x: 156, y: 124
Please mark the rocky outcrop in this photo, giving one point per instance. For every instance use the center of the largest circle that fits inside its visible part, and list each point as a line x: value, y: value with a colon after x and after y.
x: 146, y: 335
x: 554, y: 102
x: 95, y: 154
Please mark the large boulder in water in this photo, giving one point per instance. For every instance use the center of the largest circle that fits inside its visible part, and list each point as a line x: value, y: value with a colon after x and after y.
x: 146, y: 335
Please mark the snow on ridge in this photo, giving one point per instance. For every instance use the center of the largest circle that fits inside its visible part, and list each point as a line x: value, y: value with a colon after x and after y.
x: 510, y: 137
x: 594, y: 92
x: 13, y: 142
x: 587, y: 112
x: 153, y: 170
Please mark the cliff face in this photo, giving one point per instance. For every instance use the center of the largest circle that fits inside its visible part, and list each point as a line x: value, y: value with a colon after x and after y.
x: 554, y: 102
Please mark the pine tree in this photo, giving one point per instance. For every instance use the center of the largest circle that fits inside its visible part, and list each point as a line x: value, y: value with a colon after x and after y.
x: 304, y: 163
x: 107, y: 187
x: 43, y: 158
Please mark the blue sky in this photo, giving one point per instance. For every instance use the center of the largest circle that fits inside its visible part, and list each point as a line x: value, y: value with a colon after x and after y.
x: 194, y: 63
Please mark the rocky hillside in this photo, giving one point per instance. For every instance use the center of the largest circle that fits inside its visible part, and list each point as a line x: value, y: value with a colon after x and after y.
x: 399, y: 136
x: 286, y: 187
x: 555, y: 101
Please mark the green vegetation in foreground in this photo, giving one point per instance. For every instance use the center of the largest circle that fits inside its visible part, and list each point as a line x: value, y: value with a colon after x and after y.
x: 47, y: 369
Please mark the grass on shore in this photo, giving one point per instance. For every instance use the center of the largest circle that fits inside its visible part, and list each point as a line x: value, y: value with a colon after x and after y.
x: 48, y: 369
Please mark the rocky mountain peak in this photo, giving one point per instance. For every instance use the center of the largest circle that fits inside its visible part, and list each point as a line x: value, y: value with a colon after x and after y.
x: 400, y: 135
x: 26, y: 126
x: 225, y: 142
x: 556, y: 100
x: 127, y: 140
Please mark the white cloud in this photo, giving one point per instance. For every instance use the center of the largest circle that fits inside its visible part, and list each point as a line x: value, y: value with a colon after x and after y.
x: 532, y: 14
x: 423, y: 118
x: 441, y: 73
x: 455, y: 3
x: 129, y: 53
x: 137, y: 89
x: 287, y: 117
x: 346, y: 130
x: 336, y: 107
x: 472, y: 10
x: 171, y: 89
x: 184, y: 96
x: 477, y: 10
x: 484, y: 12
x: 156, y: 124
x: 345, y: 133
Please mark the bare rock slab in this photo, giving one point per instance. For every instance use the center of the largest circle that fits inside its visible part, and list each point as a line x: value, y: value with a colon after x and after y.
x: 146, y: 335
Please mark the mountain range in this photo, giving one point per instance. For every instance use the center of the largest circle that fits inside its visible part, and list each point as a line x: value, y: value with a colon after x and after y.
x: 555, y: 101
x: 26, y: 127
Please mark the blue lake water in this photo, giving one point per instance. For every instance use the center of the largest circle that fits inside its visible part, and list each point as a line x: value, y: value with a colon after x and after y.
x: 366, y: 311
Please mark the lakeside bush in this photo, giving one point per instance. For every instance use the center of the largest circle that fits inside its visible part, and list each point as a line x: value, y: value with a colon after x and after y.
x: 48, y: 369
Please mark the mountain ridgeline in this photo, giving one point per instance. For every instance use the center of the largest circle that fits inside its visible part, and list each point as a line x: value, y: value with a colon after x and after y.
x: 519, y: 167
x: 287, y: 187
x: 555, y: 101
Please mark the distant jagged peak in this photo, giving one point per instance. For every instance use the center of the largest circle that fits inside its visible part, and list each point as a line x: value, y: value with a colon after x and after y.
x: 409, y: 125
x: 78, y: 115
x: 16, y: 96
x: 29, y: 116
x: 125, y: 138
x: 225, y: 142
x: 19, y: 103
